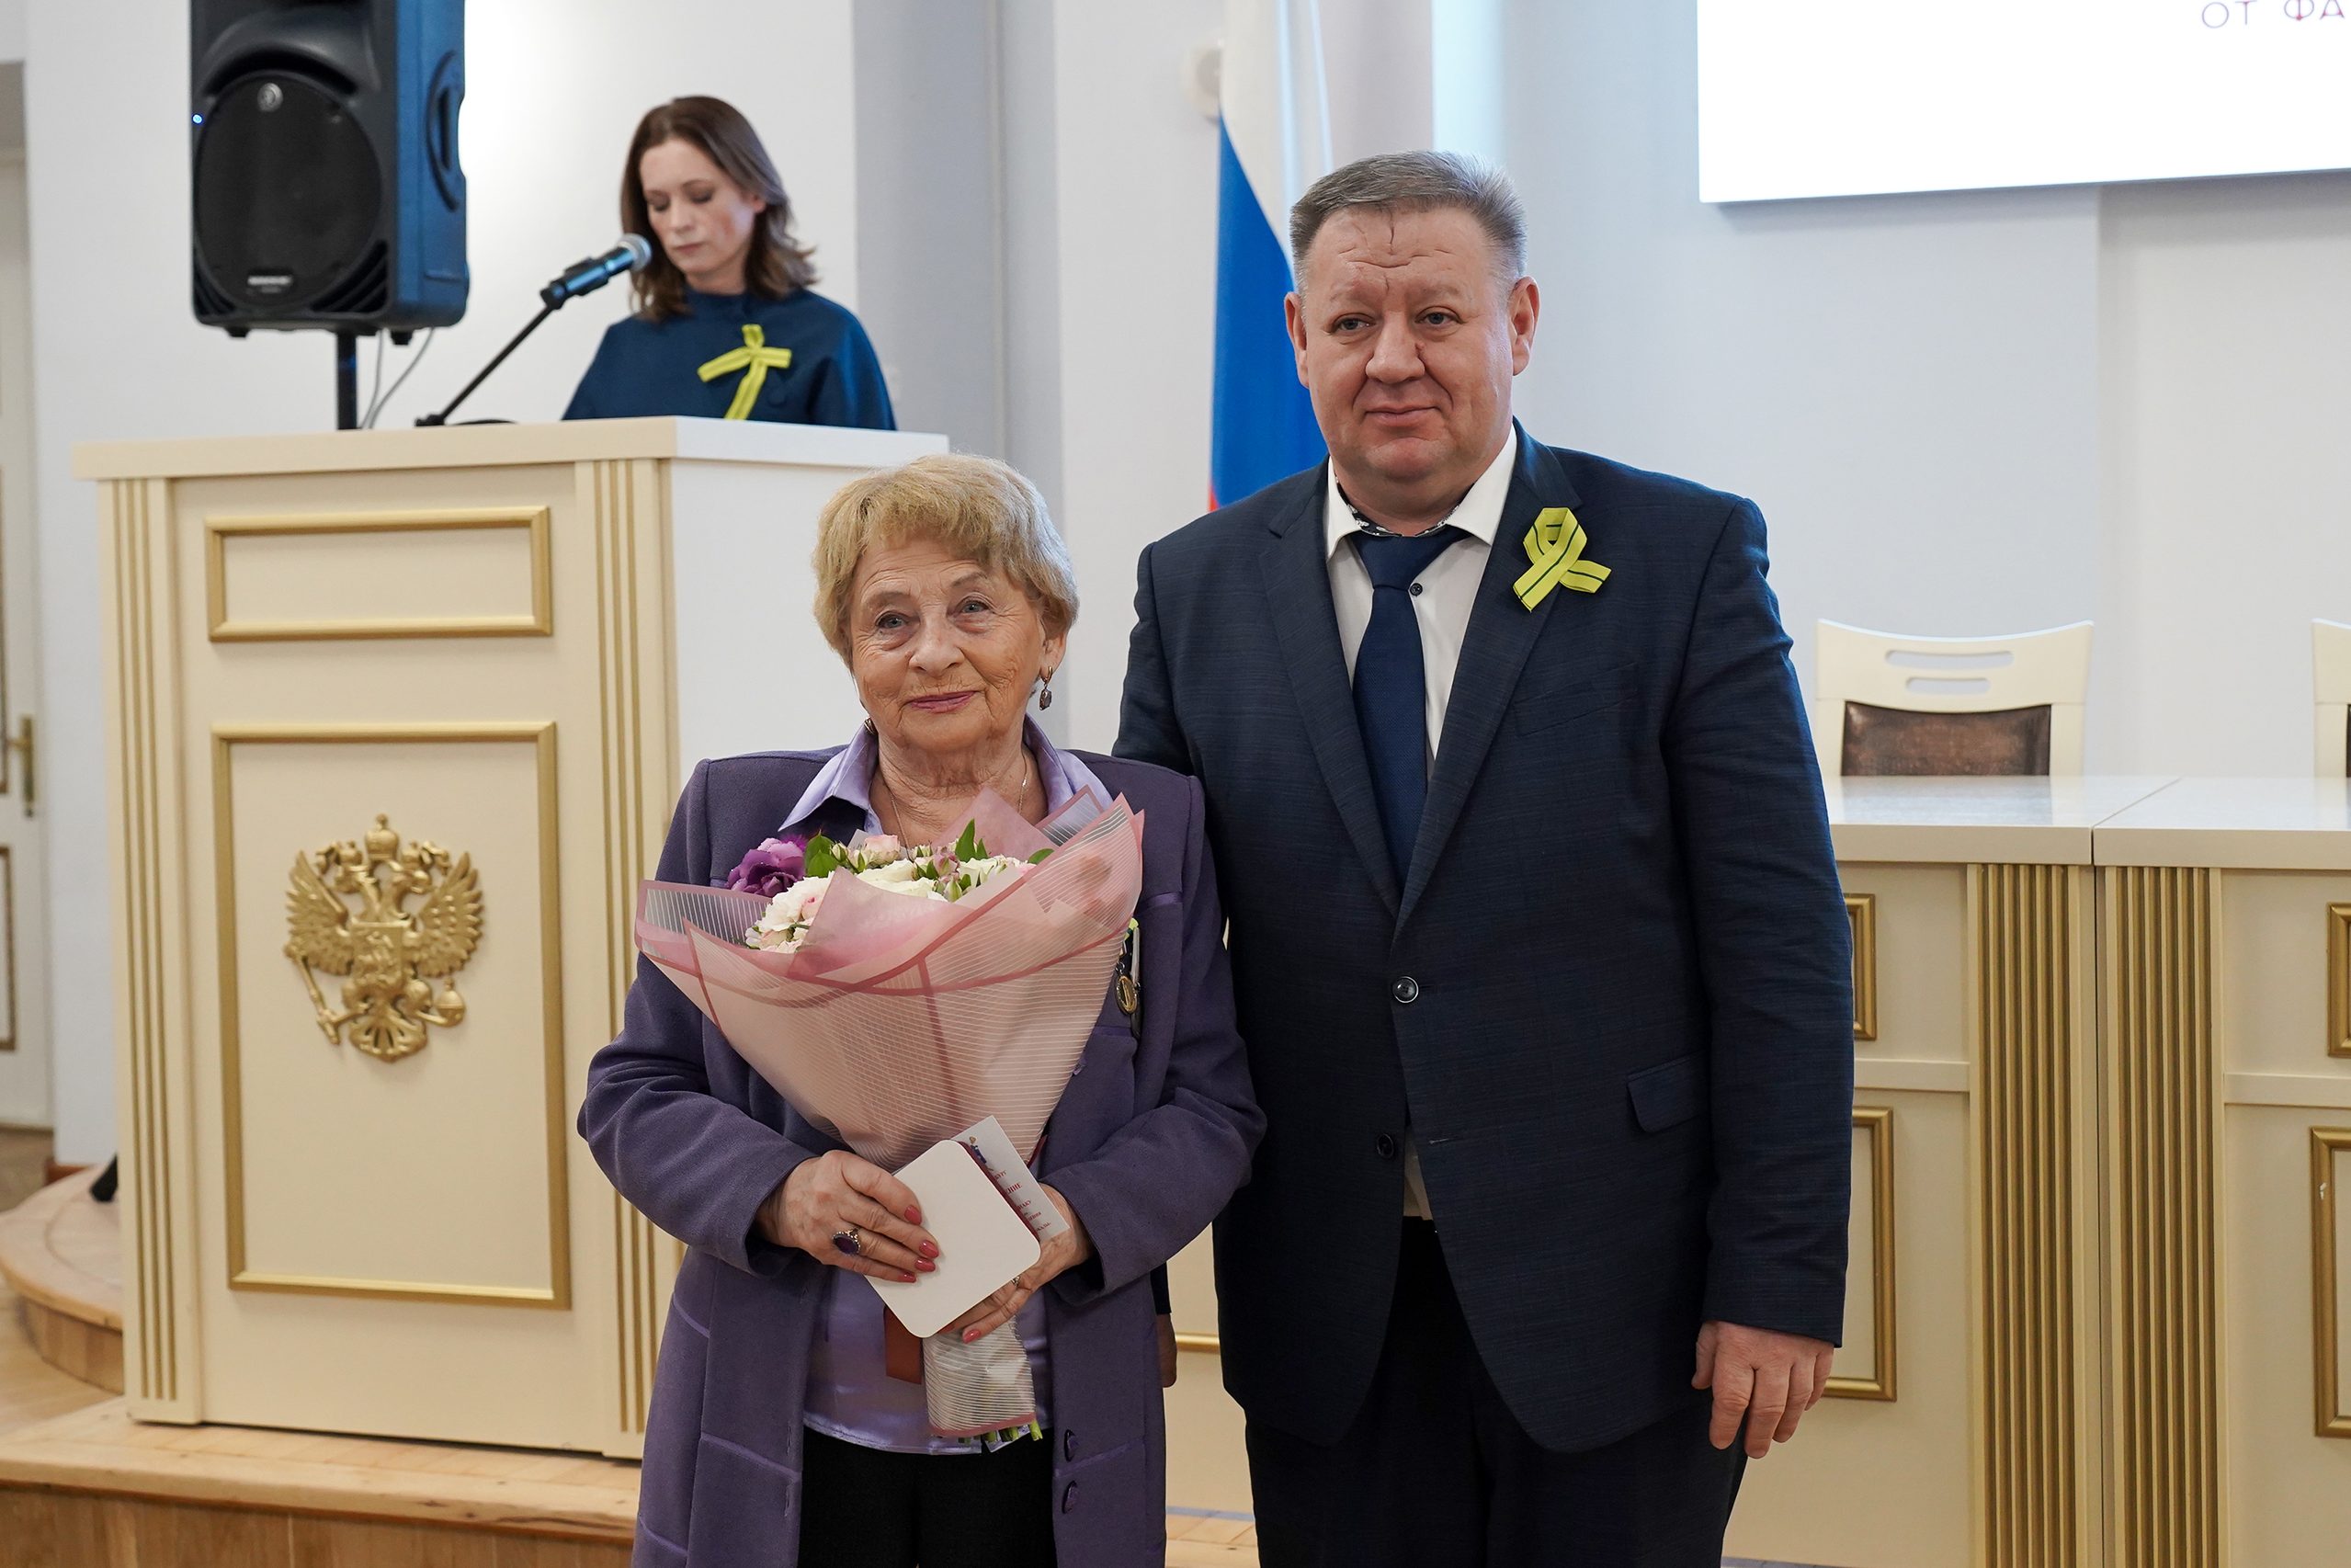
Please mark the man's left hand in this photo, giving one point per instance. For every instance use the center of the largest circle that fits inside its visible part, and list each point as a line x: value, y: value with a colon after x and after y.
x: 1770, y: 1379
x: 1059, y: 1256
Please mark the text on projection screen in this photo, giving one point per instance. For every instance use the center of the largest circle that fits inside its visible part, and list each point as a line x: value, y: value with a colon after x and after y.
x: 1848, y: 97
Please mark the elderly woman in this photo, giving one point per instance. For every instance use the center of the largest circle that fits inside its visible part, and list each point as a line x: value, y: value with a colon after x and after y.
x: 778, y: 1432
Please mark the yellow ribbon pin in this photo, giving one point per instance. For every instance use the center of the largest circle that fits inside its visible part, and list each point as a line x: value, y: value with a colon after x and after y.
x: 754, y: 359
x: 1555, y: 547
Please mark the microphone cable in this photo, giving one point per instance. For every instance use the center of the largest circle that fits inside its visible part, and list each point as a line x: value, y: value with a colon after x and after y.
x: 377, y: 405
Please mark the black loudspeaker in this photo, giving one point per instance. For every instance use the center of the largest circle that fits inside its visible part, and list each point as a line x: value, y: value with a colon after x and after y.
x: 328, y: 191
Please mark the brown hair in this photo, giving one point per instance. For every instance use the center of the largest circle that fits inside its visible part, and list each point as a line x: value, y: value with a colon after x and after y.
x: 778, y: 263
x: 980, y: 508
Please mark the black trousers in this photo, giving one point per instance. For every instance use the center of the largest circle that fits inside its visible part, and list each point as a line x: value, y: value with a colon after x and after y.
x: 866, y: 1508
x: 1436, y: 1473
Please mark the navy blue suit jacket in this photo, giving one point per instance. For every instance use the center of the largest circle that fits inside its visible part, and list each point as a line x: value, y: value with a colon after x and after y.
x: 1627, y: 1055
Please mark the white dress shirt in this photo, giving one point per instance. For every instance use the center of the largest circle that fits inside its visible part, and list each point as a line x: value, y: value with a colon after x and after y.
x: 1442, y: 598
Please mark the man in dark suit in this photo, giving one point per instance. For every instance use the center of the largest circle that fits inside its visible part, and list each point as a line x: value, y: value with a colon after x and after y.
x: 1539, y: 949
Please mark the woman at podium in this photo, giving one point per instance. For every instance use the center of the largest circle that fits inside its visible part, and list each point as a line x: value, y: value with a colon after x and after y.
x: 728, y: 324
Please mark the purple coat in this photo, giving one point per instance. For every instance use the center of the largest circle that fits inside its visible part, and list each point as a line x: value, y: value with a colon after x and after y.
x: 1152, y: 1138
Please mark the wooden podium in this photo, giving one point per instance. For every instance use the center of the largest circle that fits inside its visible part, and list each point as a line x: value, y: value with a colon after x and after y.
x: 397, y: 720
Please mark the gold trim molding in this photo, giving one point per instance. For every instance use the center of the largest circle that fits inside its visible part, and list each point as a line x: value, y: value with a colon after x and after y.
x: 8, y: 913
x: 1877, y: 1121
x: 2162, y: 1140
x: 2326, y: 1342
x: 1861, y: 910
x: 632, y: 548
x: 2338, y: 980
x: 218, y: 531
x: 540, y: 734
x: 2029, y: 1008
x: 144, y: 800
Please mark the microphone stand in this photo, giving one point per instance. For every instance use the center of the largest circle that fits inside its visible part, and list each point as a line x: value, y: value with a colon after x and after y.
x: 545, y: 309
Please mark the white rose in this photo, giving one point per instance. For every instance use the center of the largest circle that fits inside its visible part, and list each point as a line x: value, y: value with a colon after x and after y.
x: 900, y: 879
x: 792, y: 906
x: 983, y: 871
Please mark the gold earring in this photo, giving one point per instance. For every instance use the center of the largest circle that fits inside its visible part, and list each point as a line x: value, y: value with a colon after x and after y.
x: 1045, y: 698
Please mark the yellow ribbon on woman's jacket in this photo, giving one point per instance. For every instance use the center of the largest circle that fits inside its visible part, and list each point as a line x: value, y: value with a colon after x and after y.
x: 754, y: 359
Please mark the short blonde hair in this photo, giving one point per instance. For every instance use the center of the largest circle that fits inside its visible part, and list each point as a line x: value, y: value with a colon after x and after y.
x: 980, y: 508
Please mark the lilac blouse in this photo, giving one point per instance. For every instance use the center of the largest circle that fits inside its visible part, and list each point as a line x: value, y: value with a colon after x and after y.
x: 851, y: 1396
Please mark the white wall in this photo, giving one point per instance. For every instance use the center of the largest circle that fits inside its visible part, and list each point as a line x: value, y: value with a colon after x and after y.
x: 1134, y: 188
x: 931, y: 212
x: 2228, y: 507
x: 1907, y: 386
x: 554, y: 88
x: 1965, y: 414
x: 1111, y: 273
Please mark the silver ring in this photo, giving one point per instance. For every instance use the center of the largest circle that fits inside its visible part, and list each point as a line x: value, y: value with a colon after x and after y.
x: 850, y: 1240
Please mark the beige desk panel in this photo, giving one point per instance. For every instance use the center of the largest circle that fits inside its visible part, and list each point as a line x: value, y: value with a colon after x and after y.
x: 2279, y: 985
x: 436, y: 1167
x: 2288, y: 1489
x: 351, y: 1174
x: 344, y: 575
x: 1888, y: 1484
x: 1920, y: 915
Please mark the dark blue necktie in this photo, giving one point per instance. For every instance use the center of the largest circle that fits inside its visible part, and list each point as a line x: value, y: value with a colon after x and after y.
x: 1391, y: 684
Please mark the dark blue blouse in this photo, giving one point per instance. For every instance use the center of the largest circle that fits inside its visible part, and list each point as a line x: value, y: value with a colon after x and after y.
x: 652, y: 368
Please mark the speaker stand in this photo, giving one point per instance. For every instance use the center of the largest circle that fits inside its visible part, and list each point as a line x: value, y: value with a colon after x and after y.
x: 347, y: 378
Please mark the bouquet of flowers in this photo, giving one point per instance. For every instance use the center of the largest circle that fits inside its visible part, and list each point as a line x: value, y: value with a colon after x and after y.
x: 897, y: 994
x: 919, y: 871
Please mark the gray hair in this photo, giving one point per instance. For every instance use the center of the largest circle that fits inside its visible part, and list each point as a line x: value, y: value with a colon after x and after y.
x: 1414, y: 182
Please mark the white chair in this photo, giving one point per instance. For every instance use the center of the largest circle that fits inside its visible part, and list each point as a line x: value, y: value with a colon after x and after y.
x: 2330, y: 683
x: 1888, y: 704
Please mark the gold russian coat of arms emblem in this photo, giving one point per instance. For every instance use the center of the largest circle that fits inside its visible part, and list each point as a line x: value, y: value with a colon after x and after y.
x: 389, y: 953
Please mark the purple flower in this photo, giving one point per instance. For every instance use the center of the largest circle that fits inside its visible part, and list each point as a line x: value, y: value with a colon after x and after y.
x: 770, y: 868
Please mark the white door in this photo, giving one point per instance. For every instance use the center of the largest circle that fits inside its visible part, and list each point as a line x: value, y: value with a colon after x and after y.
x: 24, y: 1033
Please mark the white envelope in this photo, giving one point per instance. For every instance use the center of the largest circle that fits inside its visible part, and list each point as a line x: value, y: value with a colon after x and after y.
x: 983, y: 1244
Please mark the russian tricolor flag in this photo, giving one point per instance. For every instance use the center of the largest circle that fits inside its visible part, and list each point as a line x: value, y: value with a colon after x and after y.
x: 1276, y: 141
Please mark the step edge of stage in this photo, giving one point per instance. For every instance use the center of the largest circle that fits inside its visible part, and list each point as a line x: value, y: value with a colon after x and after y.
x: 38, y: 1275
x: 64, y: 1455
x: 49, y: 1335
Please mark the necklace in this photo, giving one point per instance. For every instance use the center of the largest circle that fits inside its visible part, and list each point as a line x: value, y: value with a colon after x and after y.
x: 908, y: 820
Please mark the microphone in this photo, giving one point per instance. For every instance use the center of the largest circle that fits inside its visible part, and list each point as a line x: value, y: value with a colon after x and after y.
x: 579, y: 277
x: 586, y: 276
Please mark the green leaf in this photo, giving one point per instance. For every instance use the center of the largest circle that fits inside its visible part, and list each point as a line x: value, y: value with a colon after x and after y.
x: 823, y: 856
x: 1041, y: 856
x: 968, y: 847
